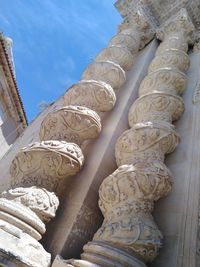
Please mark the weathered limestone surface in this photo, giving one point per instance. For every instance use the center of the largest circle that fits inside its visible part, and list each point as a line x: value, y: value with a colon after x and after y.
x: 127, y: 196
x: 78, y: 217
x: 178, y: 214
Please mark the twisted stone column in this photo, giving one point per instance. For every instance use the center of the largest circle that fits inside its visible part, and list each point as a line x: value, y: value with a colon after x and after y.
x: 44, y: 165
x: 129, y: 236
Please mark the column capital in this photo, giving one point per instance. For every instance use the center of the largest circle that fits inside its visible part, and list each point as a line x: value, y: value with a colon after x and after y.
x: 136, y: 21
x: 180, y: 24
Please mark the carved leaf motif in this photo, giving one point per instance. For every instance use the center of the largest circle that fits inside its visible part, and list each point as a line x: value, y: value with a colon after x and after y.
x: 117, y: 54
x: 156, y: 106
x: 172, y: 58
x: 45, y: 163
x: 72, y: 124
x: 166, y: 80
x: 39, y: 200
x: 145, y: 142
x: 105, y: 71
x: 96, y: 95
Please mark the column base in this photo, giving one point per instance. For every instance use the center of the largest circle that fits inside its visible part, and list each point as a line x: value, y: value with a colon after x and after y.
x: 18, y: 249
x: 102, y: 254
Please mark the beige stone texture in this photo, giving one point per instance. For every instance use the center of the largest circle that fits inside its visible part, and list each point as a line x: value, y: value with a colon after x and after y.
x: 78, y: 217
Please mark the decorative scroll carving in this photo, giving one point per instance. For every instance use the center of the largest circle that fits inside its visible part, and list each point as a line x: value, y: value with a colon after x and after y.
x: 180, y: 23
x: 22, y: 213
x: 126, y: 39
x: 170, y: 58
x: 146, y: 142
x: 173, y: 42
x: 98, y: 96
x: 72, y: 124
x: 165, y: 80
x: 45, y: 164
x: 126, y: 201
x: 117, y: 54
x: 158, y: 107
x: 39, y: 200
x: 105, y: 71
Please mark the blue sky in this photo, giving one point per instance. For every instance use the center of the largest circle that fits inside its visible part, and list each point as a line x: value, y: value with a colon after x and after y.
x: 53, y: 41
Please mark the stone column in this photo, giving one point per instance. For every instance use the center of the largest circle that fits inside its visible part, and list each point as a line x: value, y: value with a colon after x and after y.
x: 47, y: 164
x: 129, y: 236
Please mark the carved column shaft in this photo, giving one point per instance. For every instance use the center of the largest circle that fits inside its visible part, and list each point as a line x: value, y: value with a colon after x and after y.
x: 129, y: 236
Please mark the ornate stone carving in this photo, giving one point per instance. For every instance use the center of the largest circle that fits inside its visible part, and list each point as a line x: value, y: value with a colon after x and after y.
x: 45, y: 164
x: 157, y: 106
x: 126, y: 201
x: 39, y: 200
x: 105, y: 71
x: 176, y: 41
x: 146, y: 142
x: 117, y: 54
x: 166, y: 80
x: 170, y: 58
x: 96, y: 95
x: 137, y: 22
x: 127, y: 39
x: 179, y: 23
x: 22, y: 213
x: 72, y: 124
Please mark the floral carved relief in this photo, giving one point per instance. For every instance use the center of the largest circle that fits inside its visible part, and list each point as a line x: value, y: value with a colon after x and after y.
x: 72, y: 124
x: 117, y: 54
x: 45, y: 163
x: 105, y: 71
x: 96, y: 95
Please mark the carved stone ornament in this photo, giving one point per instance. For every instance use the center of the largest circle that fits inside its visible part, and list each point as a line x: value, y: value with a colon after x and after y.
x: 117, y: 54
x: 180, y: 23
x: 23, y: 212
x: 105, y: 71
x: 72, y: 124
x: 145, y: 31
x: 167, y: 80
x: 173, y: 58
x: 156, y: 106
x: 146, y: 142
x: 126, y: 201
x: 45, y: 164
x: 39, y: 200
x: 128, y: 40
x: 96, y: 95
x: 174, y: 42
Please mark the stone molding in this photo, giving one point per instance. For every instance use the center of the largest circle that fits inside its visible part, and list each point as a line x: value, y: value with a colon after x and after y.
x: 23, y: 212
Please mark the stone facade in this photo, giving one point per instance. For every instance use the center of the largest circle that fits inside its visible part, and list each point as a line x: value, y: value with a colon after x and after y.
x: 118, y: 119
x: 12, y: 116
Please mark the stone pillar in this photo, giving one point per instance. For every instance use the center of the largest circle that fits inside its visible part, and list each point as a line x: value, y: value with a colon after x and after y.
x: 46, y: 165
x: 96, y: 92
x: 24, y: 211
x: 129, y: 236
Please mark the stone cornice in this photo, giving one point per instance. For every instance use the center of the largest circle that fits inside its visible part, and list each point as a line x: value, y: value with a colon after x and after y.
x: 10, y: 78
